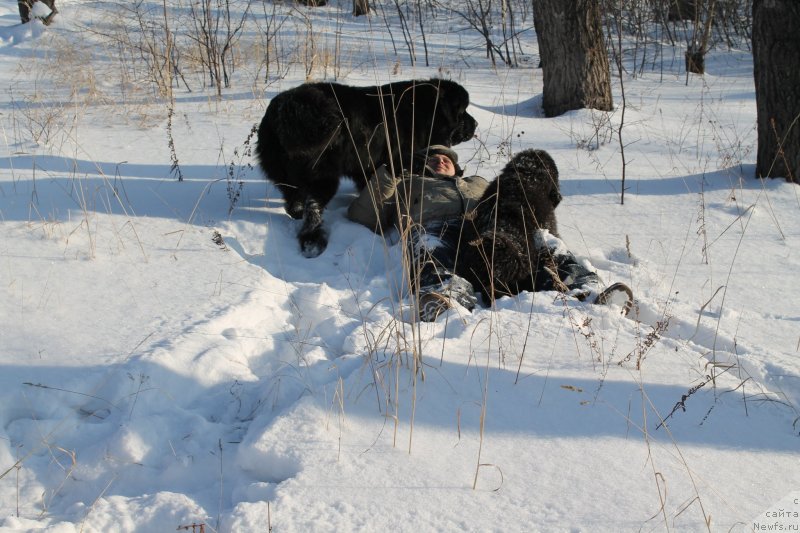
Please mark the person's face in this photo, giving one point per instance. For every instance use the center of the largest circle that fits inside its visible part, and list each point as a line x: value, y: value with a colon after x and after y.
x: 441, y: 164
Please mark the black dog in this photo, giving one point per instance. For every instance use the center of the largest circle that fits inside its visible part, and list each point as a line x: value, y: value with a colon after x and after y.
x: 502, y: 233
x: 313, y: 134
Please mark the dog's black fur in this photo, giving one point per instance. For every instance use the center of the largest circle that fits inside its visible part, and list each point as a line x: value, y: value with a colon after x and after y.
x: 500, y: 246
x: 313, y: 134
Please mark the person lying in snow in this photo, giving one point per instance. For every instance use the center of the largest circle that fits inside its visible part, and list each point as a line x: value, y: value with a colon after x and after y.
x: 466, y: 233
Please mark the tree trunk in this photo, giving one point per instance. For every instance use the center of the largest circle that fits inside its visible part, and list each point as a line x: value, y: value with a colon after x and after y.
x: 574, y: 56
x: 360, y: 7
x: 695, y: 59
x: 776, y: 49
x: 682, y: 10
x: 25, y: 10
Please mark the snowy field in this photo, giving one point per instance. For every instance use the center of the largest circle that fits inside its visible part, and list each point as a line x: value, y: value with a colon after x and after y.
x: 168, y: 359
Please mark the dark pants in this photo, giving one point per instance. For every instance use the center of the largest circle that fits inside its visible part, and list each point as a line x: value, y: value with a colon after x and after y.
x: 433, y: 254
x: 433, y: 250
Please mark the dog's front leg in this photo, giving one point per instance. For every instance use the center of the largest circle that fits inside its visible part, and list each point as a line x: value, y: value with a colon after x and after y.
x: 313, y: 237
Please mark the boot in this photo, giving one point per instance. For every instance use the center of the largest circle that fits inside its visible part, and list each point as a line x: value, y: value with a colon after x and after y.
x: 433, y: 301
x: 618, y: 295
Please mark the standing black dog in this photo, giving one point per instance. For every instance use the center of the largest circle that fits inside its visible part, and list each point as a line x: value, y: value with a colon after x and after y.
x: 316, y: 133
x: 502, y: 235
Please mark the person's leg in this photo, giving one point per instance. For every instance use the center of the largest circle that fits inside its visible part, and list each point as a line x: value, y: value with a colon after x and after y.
x: 560, y: 270
x: 432, y: 251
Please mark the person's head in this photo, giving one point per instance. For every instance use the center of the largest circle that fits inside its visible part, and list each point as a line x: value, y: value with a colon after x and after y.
x: 440, y: 160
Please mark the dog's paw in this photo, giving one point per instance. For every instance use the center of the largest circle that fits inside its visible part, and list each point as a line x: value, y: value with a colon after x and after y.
x: 314, y: 242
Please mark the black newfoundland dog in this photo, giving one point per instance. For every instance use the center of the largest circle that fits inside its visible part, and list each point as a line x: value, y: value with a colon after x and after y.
x: 524, y: 195
x: 316, y: 133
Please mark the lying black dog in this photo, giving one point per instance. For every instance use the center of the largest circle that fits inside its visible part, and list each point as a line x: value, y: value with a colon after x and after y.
x: 503, y: 233
x: 316, y: 133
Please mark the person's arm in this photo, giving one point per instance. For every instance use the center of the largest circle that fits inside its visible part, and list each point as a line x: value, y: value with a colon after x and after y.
x: 374, y: 207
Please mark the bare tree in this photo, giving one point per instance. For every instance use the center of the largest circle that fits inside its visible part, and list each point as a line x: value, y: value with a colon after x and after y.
x: 776, y: 67
x: 574, y: 55
x: 216, y: 33
x: 699, y: 41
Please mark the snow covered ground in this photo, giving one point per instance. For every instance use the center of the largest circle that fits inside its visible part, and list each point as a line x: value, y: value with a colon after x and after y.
x: 167, y: 361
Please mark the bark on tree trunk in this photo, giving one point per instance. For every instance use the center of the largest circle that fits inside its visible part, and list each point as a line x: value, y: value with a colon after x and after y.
x: 574, y: 56
x: 776, y: 68
x: 360, y: 7
x: 24, y: 10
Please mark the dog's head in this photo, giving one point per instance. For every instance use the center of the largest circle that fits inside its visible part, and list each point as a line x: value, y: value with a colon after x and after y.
x: 542, y: 174
x: 451, y: 112
x: 465, y: 128
x: 439, y: 109
x: 555, y: 197
x: 551, y: 172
